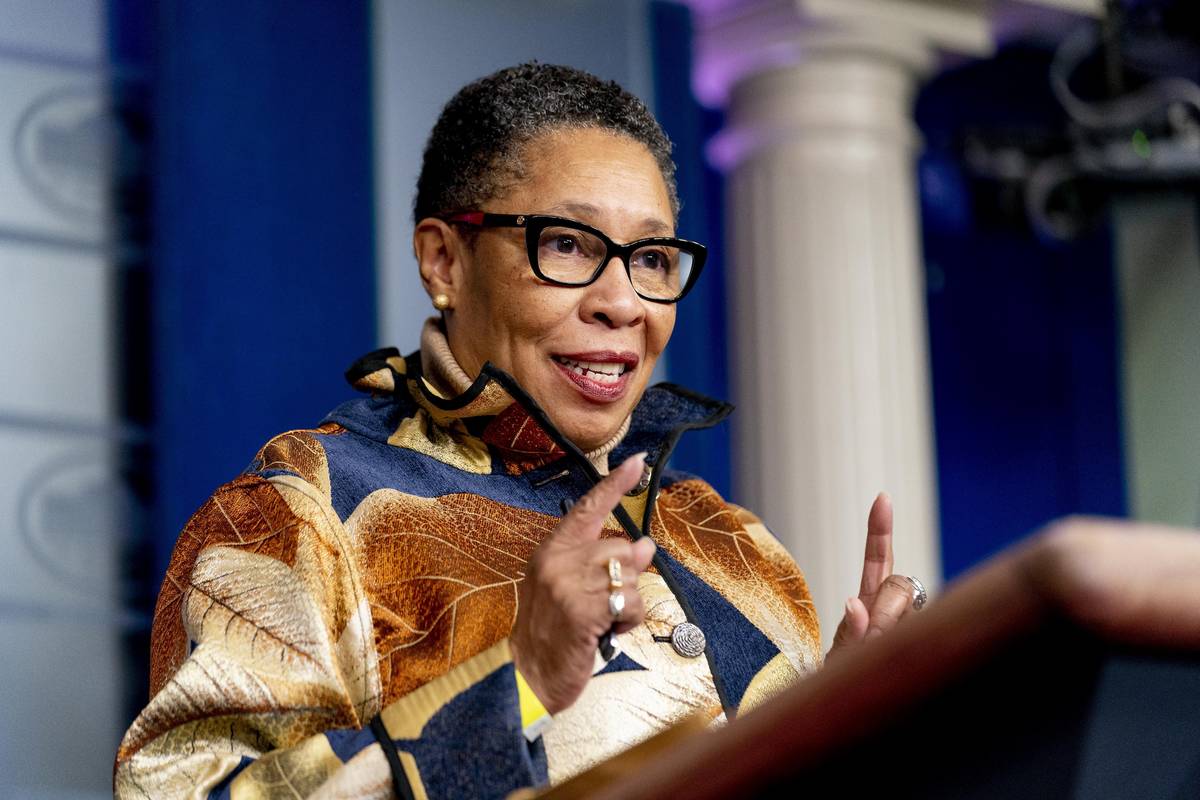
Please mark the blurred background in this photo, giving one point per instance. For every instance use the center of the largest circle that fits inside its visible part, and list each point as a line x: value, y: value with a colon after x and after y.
x: 955, y: 257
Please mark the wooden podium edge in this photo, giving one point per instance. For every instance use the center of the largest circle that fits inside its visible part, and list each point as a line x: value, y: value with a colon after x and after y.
x: 1128, y: 584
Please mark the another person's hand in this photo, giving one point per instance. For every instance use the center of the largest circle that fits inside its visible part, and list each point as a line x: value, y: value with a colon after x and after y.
x: 563, y: 604
x: 883, y: 598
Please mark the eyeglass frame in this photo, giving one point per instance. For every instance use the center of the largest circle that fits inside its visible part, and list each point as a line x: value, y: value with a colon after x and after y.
x: 534, y: 224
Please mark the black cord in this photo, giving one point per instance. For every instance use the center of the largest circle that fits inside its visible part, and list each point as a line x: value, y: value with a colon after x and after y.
x: 399, y: 777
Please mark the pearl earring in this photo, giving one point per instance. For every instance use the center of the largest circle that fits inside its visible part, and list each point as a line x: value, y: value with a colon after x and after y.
x: 441, y: 302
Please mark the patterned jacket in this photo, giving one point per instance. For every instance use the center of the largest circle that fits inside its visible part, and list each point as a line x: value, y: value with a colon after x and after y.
x: 334, y: 621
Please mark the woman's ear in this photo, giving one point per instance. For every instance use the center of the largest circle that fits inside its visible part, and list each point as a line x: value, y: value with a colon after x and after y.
x: 440, y: 252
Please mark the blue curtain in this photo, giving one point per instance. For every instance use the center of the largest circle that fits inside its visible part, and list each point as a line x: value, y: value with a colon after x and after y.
x: 260, y: 225
x: 1023, y: 331
x: 698, y: 354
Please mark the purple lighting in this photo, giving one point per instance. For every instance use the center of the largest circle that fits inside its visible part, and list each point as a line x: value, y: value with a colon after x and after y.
x: 716, y: 73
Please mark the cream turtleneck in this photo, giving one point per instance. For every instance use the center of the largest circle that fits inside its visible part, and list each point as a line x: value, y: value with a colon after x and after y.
x: 442, y: 370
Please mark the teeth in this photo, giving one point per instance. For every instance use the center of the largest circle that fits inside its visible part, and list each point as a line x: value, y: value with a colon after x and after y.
x: 599, y: 371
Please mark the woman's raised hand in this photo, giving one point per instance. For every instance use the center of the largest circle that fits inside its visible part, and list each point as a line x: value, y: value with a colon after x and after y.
x: 883, y: 598
x: 563, y: 604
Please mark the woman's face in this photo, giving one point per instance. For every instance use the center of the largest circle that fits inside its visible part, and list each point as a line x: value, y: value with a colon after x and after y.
x: 584, y: 353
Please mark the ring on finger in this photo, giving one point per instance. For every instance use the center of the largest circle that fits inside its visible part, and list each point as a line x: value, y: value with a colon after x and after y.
x: 616, y: 604
x: 614, y: 574
x: 920, y: 597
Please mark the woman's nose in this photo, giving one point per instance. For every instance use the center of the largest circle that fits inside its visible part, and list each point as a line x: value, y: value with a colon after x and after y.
x: 611, y: 299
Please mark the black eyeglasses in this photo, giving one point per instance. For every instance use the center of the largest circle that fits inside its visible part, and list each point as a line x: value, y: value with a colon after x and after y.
x: 565, y: 252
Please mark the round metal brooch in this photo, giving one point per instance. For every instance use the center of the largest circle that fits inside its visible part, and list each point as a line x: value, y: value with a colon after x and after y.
x: 688, y: 640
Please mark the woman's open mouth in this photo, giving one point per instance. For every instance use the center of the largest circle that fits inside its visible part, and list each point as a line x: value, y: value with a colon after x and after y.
x: 602, y: 377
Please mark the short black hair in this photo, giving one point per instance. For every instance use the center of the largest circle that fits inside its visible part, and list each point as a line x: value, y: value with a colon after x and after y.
x: 473, y: 151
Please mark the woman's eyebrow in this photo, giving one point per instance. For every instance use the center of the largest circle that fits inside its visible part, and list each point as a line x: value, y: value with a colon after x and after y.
x: 584, y: 211
x: 657, y: 227
x: 587, y: 212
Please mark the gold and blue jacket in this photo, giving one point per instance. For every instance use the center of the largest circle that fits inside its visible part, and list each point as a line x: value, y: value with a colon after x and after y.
x: 334, y: 621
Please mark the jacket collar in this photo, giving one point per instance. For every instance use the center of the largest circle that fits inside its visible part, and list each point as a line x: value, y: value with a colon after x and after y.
x: 500, y: 411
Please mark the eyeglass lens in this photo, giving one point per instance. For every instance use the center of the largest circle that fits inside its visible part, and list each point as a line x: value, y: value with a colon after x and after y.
x: 572, y: 256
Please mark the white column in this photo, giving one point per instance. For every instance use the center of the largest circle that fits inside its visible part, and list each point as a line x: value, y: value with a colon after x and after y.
x: 830, y: 346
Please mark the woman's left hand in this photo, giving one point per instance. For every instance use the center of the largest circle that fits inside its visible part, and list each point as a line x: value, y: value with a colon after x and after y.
x: 883, y: 598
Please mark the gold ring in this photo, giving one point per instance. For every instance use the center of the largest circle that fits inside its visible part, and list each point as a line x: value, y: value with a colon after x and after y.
x: 614, y: 574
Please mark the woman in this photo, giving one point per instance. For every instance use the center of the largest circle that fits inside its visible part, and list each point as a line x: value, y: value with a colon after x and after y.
x: 443, y: 590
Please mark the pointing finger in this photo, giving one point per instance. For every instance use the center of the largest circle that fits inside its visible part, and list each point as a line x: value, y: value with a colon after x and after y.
x: 583, y: 522
x: 877, y: 561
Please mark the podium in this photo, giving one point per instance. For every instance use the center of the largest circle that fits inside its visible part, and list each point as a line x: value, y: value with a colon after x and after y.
x: 1066, y: 667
